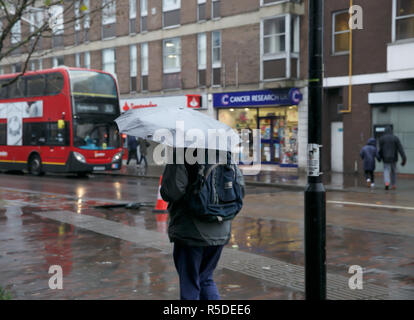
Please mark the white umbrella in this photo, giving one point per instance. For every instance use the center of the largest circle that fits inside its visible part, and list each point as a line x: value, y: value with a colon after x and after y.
x: 178, y: 127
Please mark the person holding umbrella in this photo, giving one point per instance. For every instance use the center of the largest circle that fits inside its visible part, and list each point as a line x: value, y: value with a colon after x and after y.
x: 192, y: 189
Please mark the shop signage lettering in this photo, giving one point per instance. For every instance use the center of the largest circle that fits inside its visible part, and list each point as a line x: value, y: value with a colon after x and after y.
x: 258, y: 98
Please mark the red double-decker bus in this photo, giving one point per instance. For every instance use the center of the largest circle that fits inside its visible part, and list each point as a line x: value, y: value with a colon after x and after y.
x: 60, y: 120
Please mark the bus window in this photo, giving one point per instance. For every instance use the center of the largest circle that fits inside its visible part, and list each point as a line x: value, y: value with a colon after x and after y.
x: 54, y: 83
x: 4, y: 89
x: 36, y: 85
x: 96, y: 136
x: 17, y: 89
x: 34, y: 133
x: 3, y: 135
x: 58, y: 137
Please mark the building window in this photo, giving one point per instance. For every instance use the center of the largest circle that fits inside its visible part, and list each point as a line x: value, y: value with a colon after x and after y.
x: 144, y: 15
x: 215, y: 9
x: 16, y: 68
x: 340, y: 32
x: 36, y: 21
x: 202, y: 58
x: 172, y: 63
x: 108, y: 19
x: 404, y: 19
x: 108, y: 60
x: 144, y: 67
x: 172, y: 55
x: 86, y: 21
x: 132, y: 16
x: 58, y: 61
x: 57, y: 25
x: 280, y: 47
x: 36, y: 65
x: 16, y: 36
x: 133, y: 67
x: 201, y: 10
x: 77, y: 60
x: 87, y: 60
x: 77, y: 22
x: 216, y: 57
x: 171, y: 12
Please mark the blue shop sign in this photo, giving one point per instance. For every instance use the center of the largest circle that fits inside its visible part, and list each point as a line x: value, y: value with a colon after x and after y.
x: 272, y: 97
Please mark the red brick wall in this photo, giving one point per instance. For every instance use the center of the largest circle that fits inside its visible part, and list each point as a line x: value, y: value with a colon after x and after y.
x: 122, y: 69
x: 232, y: 7
x: 241, y: 45
x: 155, y: 66
x: 189, y: 61
x: 369, y: 44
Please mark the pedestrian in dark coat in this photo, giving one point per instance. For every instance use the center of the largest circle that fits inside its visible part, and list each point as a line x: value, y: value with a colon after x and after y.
x: 368, y: 154
x: 142, y: 147
x: 132, y: 144
x: 197, y: 244
x: 389, y: 148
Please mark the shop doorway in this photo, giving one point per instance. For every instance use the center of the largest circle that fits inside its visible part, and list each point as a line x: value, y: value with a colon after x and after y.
x: 337, y: 147
x: 270, y: 138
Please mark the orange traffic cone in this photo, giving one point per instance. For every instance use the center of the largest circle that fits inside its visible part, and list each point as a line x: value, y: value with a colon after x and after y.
x: 162, y: 219
x: 161, y: 205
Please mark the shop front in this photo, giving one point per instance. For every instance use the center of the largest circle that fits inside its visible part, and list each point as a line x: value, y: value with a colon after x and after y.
x: 273, y: 112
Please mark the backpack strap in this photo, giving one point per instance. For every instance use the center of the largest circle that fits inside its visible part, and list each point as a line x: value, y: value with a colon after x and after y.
x: 209, y: 170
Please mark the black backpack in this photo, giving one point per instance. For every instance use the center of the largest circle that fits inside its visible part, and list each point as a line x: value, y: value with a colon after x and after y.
x: 216, y: 193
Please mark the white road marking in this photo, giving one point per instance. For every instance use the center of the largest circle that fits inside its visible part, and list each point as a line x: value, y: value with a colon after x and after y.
x: 370, y: 205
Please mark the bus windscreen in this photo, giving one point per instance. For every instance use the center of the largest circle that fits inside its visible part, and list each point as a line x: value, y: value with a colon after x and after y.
x: 90, y: 83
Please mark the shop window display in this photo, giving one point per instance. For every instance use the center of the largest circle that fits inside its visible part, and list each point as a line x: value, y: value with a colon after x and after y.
x: 278, y: 127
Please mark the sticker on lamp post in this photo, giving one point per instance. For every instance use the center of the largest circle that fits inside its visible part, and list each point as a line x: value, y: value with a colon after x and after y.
x: 313, y: 160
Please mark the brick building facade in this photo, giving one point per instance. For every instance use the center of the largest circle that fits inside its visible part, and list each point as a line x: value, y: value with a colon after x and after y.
x: 171, y: 48
x: 370, y: 84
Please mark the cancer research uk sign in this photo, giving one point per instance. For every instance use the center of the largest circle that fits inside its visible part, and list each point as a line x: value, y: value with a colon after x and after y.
x: 279, y: 97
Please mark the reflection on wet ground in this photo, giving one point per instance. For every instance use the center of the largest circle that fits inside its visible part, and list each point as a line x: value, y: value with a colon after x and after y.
x: 101, y: 267
x: 96, y: 266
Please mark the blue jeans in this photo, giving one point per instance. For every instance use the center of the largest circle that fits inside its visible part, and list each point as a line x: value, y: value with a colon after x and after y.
x: 390, y: 173
x: 195, y: 267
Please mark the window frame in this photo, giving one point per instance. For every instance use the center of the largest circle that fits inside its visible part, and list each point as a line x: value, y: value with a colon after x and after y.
x: 143, y: 14
x: 16, y: 32
x: 216, y: 65
x: 177, y: 7
x: 262, y: 4
x: 288, y: 54
x: 133, y: 67
x: 87, y: 60
x: 395, y: 18
x: 212, y: 10
x: 144, y: 59
x: 175, y: 69
x: 104, y: 64
x: 334, y: 33
x: 201, y: 2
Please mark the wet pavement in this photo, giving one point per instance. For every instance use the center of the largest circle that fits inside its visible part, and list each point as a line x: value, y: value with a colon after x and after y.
x: 291, y: 179
x: 111, y: 262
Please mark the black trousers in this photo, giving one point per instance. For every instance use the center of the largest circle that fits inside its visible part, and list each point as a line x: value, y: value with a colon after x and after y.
x: 369, y: 174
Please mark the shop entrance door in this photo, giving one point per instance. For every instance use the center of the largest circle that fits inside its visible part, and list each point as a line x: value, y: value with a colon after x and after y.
x: 270, y: 142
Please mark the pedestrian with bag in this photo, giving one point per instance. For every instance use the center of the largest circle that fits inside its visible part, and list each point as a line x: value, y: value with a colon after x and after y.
x: 368, y: 154
x: 203, y: 198
x: 389, y: 148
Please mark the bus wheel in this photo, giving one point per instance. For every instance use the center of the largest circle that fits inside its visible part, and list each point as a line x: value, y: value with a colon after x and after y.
x: 35, y: 165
